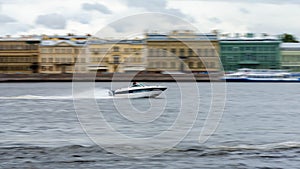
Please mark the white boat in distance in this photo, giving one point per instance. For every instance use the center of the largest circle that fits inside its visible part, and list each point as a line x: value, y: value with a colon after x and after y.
x: 261, y: 75
x: 139, y: 90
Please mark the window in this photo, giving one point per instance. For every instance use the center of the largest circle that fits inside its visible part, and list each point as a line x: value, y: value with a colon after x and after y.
x: 151, y: 64
x: 173, y: 64
x: 173, y: 51
x: 44, y: 51
x: 181, y: 52
x: 191, y: 64
x: 69, y: 68
x: 14, y: 59
x: 116, y: 59
x: 155, y: 52
x: 104, y: 50
x: 229, y: 58
x: 191, y: 52
x: 212, y: 52
x: 199, y: 52
x: 151, y: 53
x: 160, y: 52
x: 82, y: 68
x: 116, y: 49
x: 253, y: 57
x: 69, y: 50
x: 157, y: 64
x: 248, y: 57
x: 164, y: 52
x: 200, y: 65
x: 213, y: 65
x: 206, y: 53
x: 104, y: 59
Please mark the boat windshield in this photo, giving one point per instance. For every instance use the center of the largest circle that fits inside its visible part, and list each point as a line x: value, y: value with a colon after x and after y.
x: 137, y: 84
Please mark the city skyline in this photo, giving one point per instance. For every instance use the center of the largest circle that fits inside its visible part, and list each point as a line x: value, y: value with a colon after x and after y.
x: 82, y: 17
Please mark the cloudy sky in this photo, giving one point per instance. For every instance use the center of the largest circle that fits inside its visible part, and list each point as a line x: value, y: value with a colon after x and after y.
x: 19, y: 17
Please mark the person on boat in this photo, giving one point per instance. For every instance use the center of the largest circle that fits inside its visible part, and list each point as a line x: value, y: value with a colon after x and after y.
x: 135, y: 84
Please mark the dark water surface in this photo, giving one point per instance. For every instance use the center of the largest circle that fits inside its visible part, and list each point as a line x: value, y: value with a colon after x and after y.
x: 260, y: 128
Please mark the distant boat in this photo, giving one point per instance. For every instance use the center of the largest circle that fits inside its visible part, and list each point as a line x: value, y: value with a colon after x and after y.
x: 261, y: 75
x: 139, y: 90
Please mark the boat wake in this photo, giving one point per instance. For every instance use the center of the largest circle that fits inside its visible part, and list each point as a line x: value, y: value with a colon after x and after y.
x: 97, y: 94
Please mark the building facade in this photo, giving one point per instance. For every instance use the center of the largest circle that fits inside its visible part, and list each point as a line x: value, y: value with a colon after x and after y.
x: 250, y: 52
x: 290, y: 56
x: 182, y: 51
x: 19, y: 55
x: 116, y: 56
x: 60, y: 56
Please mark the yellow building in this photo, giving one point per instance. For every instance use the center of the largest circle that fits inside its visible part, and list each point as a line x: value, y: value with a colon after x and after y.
x: 183, y: 51
x: 60, y: 54
x: 116, y: 56
x: 19, y: 55
x: 290, y: 56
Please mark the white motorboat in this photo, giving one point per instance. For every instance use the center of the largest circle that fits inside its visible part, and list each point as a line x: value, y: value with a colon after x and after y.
x: 139, y: 90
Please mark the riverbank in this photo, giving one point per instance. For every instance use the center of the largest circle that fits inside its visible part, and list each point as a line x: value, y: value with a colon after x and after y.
x: 147, y: 77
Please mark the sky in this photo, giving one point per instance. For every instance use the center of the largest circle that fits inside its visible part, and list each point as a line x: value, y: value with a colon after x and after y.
x: 19, y: 17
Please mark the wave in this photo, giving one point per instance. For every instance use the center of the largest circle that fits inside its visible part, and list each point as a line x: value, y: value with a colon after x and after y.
x: 266, y: 147
x: 213, y: 150
x: 92, y: 156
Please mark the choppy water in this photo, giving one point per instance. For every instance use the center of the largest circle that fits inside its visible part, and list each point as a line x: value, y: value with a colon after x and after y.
x: 260, y: 128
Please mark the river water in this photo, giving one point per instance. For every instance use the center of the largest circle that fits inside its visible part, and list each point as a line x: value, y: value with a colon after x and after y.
x: 259, y: 128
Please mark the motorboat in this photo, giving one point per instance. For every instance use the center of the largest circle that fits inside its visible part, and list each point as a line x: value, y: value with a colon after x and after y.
x: 261, y: 75
x: 139, y: 90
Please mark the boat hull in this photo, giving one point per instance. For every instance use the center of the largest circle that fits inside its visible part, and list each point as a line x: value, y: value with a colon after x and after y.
x: 261, y: 80
x: 140, y: 92
x: 262, y: 75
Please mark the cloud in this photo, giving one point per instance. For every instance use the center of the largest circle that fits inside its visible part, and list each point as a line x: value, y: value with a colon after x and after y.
x: 258, y: 1
x: 244, y: 11
x: 13, y: 28
x: 152, y: 5
x: 270, y: 16
x: 157, y: 6
x: 81, y: 18
x: 53, y: 21
x: 215, y: 20
x: 6, y: 19
x: 137, y: 25
x: 97, y: 7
